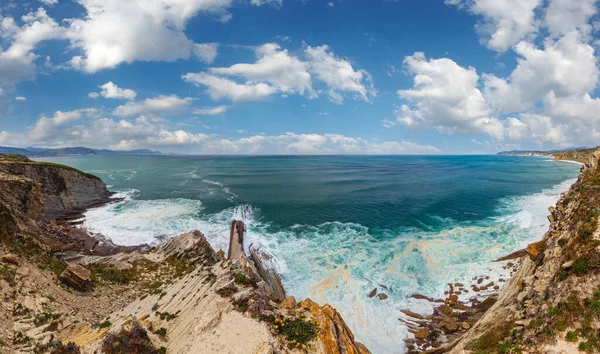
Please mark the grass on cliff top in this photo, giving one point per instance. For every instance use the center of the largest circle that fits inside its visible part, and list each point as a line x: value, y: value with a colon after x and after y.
x: 14, y: 158
x: 52, y: 164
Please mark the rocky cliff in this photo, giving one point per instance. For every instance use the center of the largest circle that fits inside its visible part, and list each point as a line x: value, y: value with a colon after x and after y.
x: 552, y: 303
x: 66, y: 191
x: 178, y: 297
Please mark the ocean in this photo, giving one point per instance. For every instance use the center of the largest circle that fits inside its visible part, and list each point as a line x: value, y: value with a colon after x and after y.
x: 339, y: 226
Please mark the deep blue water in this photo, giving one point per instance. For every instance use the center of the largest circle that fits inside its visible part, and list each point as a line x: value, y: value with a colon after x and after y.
x: 337, y: 226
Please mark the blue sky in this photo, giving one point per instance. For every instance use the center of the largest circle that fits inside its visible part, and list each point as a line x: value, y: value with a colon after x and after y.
x: 299, y: 77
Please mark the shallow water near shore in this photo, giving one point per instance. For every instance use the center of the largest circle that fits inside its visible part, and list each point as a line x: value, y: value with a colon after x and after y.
x: 338, y: 227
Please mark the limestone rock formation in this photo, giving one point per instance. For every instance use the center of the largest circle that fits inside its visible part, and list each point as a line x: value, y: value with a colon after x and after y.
x: 77, y: 277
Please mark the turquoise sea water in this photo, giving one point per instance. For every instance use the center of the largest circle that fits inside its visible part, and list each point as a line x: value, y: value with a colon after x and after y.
x: 337, y: 227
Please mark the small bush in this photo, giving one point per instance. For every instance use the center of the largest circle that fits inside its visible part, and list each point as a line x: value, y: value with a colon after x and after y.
x: 298, y: 332
x: 44, y: 318
x: 57, y: 347
x: 581, y: 266
x: 162, y: 331
x: 242, y: 279
x: 134, y: 341
x: 101, y: 325
x: 571, y: 336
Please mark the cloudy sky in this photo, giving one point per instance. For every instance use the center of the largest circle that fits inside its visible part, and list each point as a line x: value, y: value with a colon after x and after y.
x: 300, y: 76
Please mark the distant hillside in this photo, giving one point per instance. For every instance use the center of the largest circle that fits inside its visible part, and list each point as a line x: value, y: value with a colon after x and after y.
x: 572, y: 154
x: 45, y: 152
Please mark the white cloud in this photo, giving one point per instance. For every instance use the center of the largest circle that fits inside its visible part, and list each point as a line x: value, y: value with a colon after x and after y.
x: 565, y: 67
x: 339, y: 75
x: 211, y: 111
x: 445, y: 97
x: 165, y: 105
x: 278, y: 71
x: 88, y: 128
x: 117, y: 31
x: 110, y: 90
x: 330, y: 4
x: 21, y: 98
x: 206, y: 52
x: 18, y: 61
x: 564, y: 16
x: 219, y: 88
x: 49, y: 2
x: 275, y: 66
x: 504, y: 22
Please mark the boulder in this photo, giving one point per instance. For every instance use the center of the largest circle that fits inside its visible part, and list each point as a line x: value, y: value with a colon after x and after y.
x: 289, y: 303
x: 450, y: 327
x: 536, y: 249
x: 373, y: 292
x: 10, y: 259
x: 382, y: 296
x: 77, y: 277
x: 423, y: 333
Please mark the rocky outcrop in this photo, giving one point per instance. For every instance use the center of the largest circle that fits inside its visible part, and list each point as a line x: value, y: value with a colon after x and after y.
x: 218, y: 306
x: 548, y: 303
x: 236, y: 239
x: 65, y: 190
x: 77, y: 277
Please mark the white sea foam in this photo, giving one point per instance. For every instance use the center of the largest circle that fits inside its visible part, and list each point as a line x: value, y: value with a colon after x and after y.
x: 339, y: 263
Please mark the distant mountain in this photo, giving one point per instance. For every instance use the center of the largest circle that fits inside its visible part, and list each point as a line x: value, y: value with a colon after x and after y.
x: 540, y: 153
x: 44, y: 152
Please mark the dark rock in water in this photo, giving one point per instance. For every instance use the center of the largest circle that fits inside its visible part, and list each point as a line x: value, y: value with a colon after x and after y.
x: 373, y: 292
x: 412, y: 314
x: 77, y: 277
x: 382, y: 296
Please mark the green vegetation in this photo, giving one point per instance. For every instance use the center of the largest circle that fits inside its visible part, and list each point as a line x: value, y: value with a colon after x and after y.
x: 500, y: 339
x: 109, y: 273
x: 8, y: 274
x: 104, y: 324
x: 241, y: 279
x: 14, y: 158
x: 57, y: 347
x: 165, y: 315
x: 162, y: 331
x: 297, y: 331
x: 133, y: 341
x: 44, y: 318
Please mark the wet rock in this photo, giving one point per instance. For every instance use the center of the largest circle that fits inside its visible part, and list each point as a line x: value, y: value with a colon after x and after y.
x: 458, y: 285
x: 373, y: 292
x: 450, y: 327
x: 465, y: 325
x: 422, y: 333
x: 412, y: 314
x: 382, y: 296
x: 77, y: 277
x: 453, y: 298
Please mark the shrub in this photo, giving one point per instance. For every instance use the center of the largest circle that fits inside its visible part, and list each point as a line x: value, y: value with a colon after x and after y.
x: 571, y: 336
x: 581, y: 266
x: 162, y: 331
x: 134, y: 341
x: 242, y: 279
x: 297, y: 331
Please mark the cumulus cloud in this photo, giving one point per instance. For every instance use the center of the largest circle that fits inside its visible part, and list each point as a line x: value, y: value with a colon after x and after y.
x: 89, y: 128
x: 339, y: 75
x: 275, y: 66
x: 116, y: 31
x: 165, y: 105
x: 565, y: 67
x: 20, y: 98
x: 18, y: 61
x: 206, y: 52
x: 211, y: 111
x: 218, y: 87
x: 503, y: 22
x: 110, y: 90
x: 564, y: 16
x: 445, y: 96
x: 49, y: 2
x: 278, y: 71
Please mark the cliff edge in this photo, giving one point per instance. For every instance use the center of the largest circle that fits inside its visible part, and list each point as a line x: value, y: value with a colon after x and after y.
x: 552, y: 302
x: 178, y: 297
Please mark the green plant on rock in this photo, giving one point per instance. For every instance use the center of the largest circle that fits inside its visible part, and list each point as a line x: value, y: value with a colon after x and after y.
x: 297, y: 331
x: 44, y: 318
x: 162, y: 331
